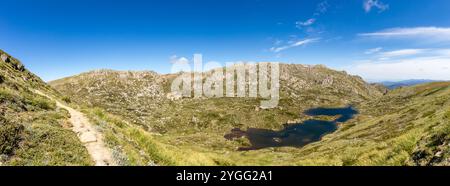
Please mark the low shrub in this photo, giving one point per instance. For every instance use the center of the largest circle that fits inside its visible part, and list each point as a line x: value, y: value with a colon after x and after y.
x: 10, y: 136
x: 41, y: 102
x: 67, y: 99
x: 6, y: 94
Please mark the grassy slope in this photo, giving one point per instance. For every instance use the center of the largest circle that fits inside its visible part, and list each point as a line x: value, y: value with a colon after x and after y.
x: 408, y: 126
x: 140, y: 98
x: 390, y: 130
x: 32, y: 130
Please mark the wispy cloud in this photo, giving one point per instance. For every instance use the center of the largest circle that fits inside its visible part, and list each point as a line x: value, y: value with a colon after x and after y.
x: 308, y: 27
x: 294, y: 44
x: 321, y: 8
x: 368, y: 5
x: 405, y: 64
x: 423, y: 33
x: 308, y: 22
x: 373, y: 50
x: 402, y: 52
x: 437, y: 68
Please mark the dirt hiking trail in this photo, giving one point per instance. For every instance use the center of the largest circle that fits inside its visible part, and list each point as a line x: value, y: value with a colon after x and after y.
x: 88, y: 135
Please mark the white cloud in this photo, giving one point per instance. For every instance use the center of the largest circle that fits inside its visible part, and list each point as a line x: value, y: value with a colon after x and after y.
x: 373, y: 50
x: 435, y: 64
x: 321, y: 8
x: 418, y: 68
x: 444, y: 52
x: 294, y: 44
x: 402, y: 52
x: 308, y: 22
x: 370, y: 4
x: 430, y: 34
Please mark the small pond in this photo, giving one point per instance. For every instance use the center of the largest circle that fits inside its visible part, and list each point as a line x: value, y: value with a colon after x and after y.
x: 295, y: 135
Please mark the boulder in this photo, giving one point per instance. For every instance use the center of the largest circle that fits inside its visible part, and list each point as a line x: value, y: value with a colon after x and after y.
x: 4, y: 57
x: 18, y: 66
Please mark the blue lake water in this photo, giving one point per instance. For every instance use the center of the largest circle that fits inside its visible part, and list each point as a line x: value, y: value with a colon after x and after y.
x: 295, y: 135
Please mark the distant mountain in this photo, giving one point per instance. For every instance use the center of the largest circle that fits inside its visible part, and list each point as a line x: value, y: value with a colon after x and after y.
x: 137, y: 96
x: 144, y: 124
x: 406, y: 83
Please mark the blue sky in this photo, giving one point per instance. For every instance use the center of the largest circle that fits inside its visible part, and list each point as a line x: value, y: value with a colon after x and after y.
x: 376, y: 39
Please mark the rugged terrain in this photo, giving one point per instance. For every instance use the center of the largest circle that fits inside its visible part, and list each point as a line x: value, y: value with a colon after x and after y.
x: 398, y: 127
x: 142, y: 123
x: 144, y: 98
x: 33, y: 130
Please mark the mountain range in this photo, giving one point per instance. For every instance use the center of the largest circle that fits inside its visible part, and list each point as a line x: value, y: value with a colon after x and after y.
x: 142, y: 124
x: 406, y: 83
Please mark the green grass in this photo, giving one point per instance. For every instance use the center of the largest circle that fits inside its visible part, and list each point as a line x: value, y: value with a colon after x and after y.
x: 134, y: 146
x: 374, y: 137
x: 46, y: 142
x: 10, y: 136
x: 142, y: 130
x: 33, y: 131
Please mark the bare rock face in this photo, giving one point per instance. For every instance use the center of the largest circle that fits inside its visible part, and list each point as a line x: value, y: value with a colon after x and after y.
x: 327, y: 82
x: 4, y: 57
x: 13, y: 62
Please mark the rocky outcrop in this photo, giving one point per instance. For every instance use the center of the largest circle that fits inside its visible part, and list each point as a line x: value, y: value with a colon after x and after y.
x: 4, y: 57
x: 327, y: 82
x: 11, y: 61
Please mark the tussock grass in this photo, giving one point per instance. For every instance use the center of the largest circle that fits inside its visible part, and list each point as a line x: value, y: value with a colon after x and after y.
x: 32, y: 129
x: 140, y: 147
x: 387, y: 139
x: 145, y: 128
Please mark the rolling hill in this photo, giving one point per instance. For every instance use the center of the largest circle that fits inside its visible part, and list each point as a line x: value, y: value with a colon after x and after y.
x: 142, y: 124
x: 392, y: 128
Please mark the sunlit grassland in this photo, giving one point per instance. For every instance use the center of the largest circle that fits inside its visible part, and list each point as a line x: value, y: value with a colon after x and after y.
x: 372, y: 138
x: 33, y: 131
